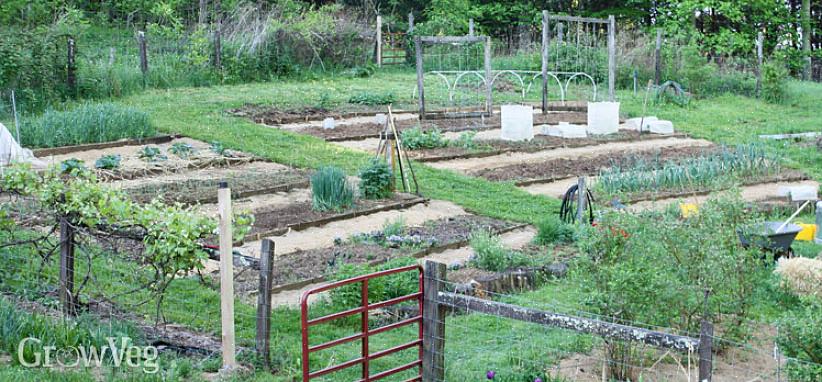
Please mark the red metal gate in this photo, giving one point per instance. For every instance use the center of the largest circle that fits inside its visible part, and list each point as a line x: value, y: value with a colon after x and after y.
x: 364, y: 309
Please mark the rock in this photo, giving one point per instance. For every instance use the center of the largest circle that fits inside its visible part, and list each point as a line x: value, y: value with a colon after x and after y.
x: 661, y: 127
x: 633, y: 123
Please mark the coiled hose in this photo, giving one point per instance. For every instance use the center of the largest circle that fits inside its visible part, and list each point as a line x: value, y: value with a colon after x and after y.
x: 568, y: 209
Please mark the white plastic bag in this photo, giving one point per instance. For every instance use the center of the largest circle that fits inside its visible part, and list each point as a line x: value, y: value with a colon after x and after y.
x: 11, y: 152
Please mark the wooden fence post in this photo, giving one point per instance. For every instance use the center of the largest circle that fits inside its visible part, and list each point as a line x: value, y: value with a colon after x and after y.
x: 658, y: 57
x: 706, y: 332
x: 760, y: 39
x: 264, y: 303
x: 410, y: 22
x: 379, y: 41
x: 581, y: 200
x: 433, y: 322
x: 111, y: 56
x: 560, y: 32
x: 611, y: 58
x: 471, y: 27
x: 203, y: 12
x: 141, y: 42
x: 545, y: 42
x: 67, y: 298
x: 489, y: 102
x: 218, y: 30
x: 71, y: 67
x: 420, y: 78
x: 226, y: 277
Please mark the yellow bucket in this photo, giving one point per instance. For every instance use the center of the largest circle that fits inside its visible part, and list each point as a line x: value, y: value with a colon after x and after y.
x: 807, y: 233
x: 688, y: 209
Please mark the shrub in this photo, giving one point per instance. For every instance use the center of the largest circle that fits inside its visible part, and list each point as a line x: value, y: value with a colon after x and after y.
x: 108, y: 162
x: 800, y: 338
x: 552, y: 230
x: 416, y: 138
x: 376, y: 180
x: 491, y: 255
x: 379, y: 289
x: 88, y: 123
x: 71, y: 165
x: 466, y: 140
x: 801, y: 275
x: 331, y: 190
x: 774, y: 81
x: 367, y: 98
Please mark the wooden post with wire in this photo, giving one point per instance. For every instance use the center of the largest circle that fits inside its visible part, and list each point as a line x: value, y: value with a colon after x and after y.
x: 141, y: 42
x: 433, y: 318
x: 760, y: 39
x: 378, y: 47
x: 611, y: 58
x: 545, y: 41
x: 581, y: 199
x: 67, y: 298
x: 471, y: 27
x: 263, y: 346
x: 71, y: 66
x: 489, y: 86
x: 658, y: 57
x: 420, y: 74
x: 706, y: 332
x: 226, y: 277
x: 218, y: 33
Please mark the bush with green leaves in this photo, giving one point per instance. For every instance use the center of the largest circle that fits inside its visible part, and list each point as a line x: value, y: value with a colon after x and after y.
x: 108, y: 162
x: 72, y: 165
x: 330, y: 190
x: 553, y: 230
x: 371, y: 99
x: 376, y: 180
x: 774, y: 81
x: 800, y: 338
x: 491, y: 255
x: 379, y: 289
x: 417, y: 138
x: 87, y: 123
x: 465, y: 141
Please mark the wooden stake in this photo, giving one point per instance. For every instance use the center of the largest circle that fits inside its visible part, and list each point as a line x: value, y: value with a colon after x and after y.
x: 379, y: 41
x: 226, y: 277
x: 760, y: 39
x: 611, y: 58
x: 264, y: 303
x: 420, y: 77
x: 141, y: 42
x: 581, y: 200
x: 489, y: 103
x: 67, y: 300
x: 545, y: 41
x: 470, y: 27
x: 218, y: 30
x: 71, y: 67
x: 705, y: 353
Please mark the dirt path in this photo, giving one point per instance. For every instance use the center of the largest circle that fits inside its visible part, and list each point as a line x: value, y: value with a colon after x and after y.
x: 319, y: 237
x: 473, y: 164
x: 554, y: 189
x: 514, y: 240
x: 339, y: 122
x: 752, y: 193
x: 256, y: 202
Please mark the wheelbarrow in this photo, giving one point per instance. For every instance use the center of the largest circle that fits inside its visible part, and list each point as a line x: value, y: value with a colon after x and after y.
x: 769, y: 237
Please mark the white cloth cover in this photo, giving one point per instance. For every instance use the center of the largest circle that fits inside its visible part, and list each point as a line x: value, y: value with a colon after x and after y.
x: 661, y: 127
x: 603, y: 118
x: 11, y: 152
x: 564, y: 130
x: 517, y: 122
x: 633, y: 123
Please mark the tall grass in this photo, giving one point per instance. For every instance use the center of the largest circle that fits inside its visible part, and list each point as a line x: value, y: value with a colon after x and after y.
x: 330, y: 190
x: 87, y: 123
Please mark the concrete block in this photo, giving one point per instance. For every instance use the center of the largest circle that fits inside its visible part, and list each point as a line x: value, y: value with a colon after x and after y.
x: 633, y: 123
x: 661, y: 127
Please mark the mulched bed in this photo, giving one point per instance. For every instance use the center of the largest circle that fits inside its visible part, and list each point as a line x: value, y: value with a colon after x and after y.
x: 301, y: 215
x: 302, y: 267
x: 539, y: 143
x: 556, y: 169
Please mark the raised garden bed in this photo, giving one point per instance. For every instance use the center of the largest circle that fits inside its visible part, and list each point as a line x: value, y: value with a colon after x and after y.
x: 301, y: 215
x: 103, y: 145
x: 486, y: 148
x: 556, y: 169
x: 297, y: 269
x: 199, y: 186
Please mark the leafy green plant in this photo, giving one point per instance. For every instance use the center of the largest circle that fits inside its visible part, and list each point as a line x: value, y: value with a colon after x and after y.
x: 800, y: 338
x: 72, y: 165
x: 151, y: 154
x: 416, y: 138
x: 331, y: 190
x: 466, y: 140
x: 182, y: 149
x: 491, y: 255
x: 774, y: 81
x: 394, y: 228
x: 87, y: 123
x: 552, y: 230
x: 379, y: 289
x: 108, y: 162
x: 217, y: 148
x: 376, y: 180
x: 367, y: 98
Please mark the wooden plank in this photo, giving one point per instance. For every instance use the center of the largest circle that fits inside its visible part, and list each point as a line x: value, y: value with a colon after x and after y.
x: 67, y: 298
x: 264, y: 303
x: 226, y: 277
x: 103, y: 145
x: 705, y: 352
x: 578, y: 324
x: 452, y: 39
x: 433, y: 318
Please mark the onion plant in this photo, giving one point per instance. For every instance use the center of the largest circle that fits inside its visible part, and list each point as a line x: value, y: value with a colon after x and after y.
x: 331, y: 190
x: 87, y: 123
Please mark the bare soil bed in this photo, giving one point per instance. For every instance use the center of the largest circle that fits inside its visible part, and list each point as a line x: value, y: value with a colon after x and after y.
x: 278, y: 220
x: 294, y: 269
x: 132, y: 166
x: 560, y: 168
x: 199, y: 186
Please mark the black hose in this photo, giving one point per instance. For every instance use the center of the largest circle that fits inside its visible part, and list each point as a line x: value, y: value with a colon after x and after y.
x: 568, y: 208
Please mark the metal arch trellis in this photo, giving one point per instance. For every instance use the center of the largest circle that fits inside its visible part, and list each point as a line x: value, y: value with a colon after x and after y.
x: 518, y: 74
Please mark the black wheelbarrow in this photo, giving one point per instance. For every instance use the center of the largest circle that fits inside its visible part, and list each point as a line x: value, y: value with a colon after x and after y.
x: 765, y: 236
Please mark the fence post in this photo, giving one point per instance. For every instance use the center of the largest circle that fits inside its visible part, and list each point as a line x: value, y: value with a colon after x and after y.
x: 264, y: 302
x: 410, y: 22
x: 226, y: 276
x: 489, y: 103
x: 111, y: 53
x: 636, y: 74
x: 433, y: 323
x: 201, y: 17
x: 658, y: 57
x: 471, y: 27
x: 218, y: 48
x: 141, y: 42
x: 420, y: 74
x: 67, y: 298
x: 545, y: 42
x: 379, y: 41
x: 560, y: 32
x: 611, y: 58
x: 706, y: 332
x: 760, y: 39
x: 581, y: 200
x: 71, y: 67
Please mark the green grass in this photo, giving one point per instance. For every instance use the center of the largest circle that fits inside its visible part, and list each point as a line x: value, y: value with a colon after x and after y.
x: 86, y: 123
